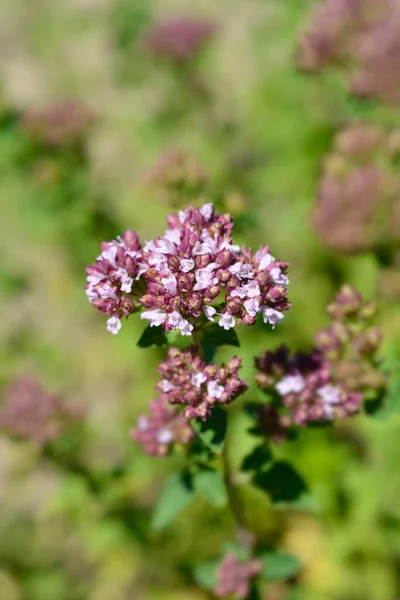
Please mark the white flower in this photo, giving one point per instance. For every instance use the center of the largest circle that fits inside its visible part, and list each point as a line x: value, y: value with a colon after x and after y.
x: 182, y: 216
x: 209, y: 311
x: 165, y: 436
x: 252, y: 306
x: 110, y: 255
x: 91, y: 293
x: 226, y: 321
x: 176, y: 321
x: 156, y: 317
x: 95, y: 278
x: 173, y: 236
x: 169, y: 283
x: 205, y: 278
x: 264, y: 259
x: 143, y: 423
x: 231, y: 247
x: 198, y: 379
x: 159, y: 261
x: 127, y: 285
x: 107, y: 293
x: 166, y: 386
x: 186, y: 265
x: 186, y: 328
x: 126, y: 281
x: 272, y: 316
x: 278, y: 277
x: 207, y: 211
x: 252, y: 289
x: 114, y: 325
x: 214, y: 389
x: 329, y: 394
x: 242, y: 270
x: 290, y: 383
x: 207, y: 246
x: 240, y: 292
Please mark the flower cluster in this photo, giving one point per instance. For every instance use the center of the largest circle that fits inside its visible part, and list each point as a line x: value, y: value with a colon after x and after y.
x: 195, y: 262
x: 60, y: 124
x: 235, y: 576
x: 179, y: 39
x: 194, y: 270
x: 165, y: 426
x: 186, y: 379
x: 331, y: 381
x: 30, y: 412
x: 112, y: 281
x: 358, y: 204
x: 361, y: 34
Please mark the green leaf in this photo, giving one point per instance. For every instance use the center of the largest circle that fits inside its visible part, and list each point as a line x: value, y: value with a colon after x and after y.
x: 152, y: 336
x: 278, y: 566
x: 210, y: 484
x: 212, y: 431
x: 215, y: 336
x: 178, y: 493
x: 206, y: 574
x: 284, y: 486
x: 259, y: 459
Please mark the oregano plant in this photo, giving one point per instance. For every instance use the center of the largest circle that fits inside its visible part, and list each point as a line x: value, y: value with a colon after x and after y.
x: 195, y: 282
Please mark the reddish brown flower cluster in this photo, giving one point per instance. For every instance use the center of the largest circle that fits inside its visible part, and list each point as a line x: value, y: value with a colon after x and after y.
x: 60, y: 124
x: 235, y: 576
x: 331, y: 381
x: 158, y: 431
x: 30, y: 412
x: 179, y: 39
x: 358, y: 204
x: 187, y: 380
x: 363, y: 35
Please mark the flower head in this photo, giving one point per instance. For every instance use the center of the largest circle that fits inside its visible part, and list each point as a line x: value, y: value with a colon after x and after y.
x: 112, y: 280
x: 235, y: 576
x: 31, y: 412
x: 163, y: 427
x: 179, y: 39
x: 186, y: 379
x: 60, y: 124
x: 330, y: 382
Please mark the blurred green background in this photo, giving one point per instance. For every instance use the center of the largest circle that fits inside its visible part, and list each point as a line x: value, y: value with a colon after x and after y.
x: 260, y: 130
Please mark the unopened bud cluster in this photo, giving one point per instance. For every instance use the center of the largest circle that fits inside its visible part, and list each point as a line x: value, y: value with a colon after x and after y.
x: 358, y: 206
x: 194, y: 271
x: 331, y: 381
x: 235, y: 576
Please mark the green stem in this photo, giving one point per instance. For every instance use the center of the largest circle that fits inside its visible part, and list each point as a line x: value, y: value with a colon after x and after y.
x: 234, y: 498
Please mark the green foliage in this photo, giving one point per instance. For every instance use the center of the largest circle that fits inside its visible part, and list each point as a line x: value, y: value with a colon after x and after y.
x: 177, y: 494
x: 152, y: 336
x: 284, y: 486
x: 278, y: 566
x: 216, y: 336
x: 210, y: 484
x: 212, y: 431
